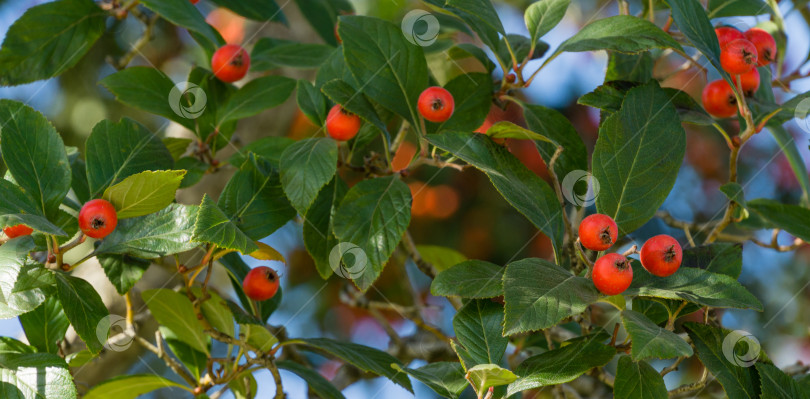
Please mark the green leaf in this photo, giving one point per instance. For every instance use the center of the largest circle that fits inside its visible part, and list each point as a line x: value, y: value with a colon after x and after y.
x: 556, y: 127
x: 80, y: 358
x: 693, y: 285
x: 354, y: 101
x: 393, y: 70
x: 322, y: 15
x: 49, y: 39
x: 176, y: 146
x: 373, y: 215
x: 538, y: 294
x: 691, y: 19
x: 45, y: 326
x: 637, y: 157
x: 116, y: 151
x: 130, y: 386
x: 194, y: 360
x: 724, y: 258
x: 244, y: 386
x: 11, y: 345
x: 480, y: 15
x: 166, y: 232
x: 78, y: 181
x: 187, y: 101
x: 737, y: 381
x: 470, y: 279
x: 123, y: 271
x: 737, y: 8
x: 561, y: 365
x: 255, y: 201
x: 778, y: 385
x: 316, y: 382
x: 269, y: 148
x: 194, y: 170
x: 651, y: 341
x: 144, y: 193
x: 445, y: 378
x: 477, y: 327
x: 35, y: 376
x: 35, y: 156
x: 623, y: 33
x: 175, y: 311
x: 183, y: 13
x: 20, y: 291
x: 213, y: 226
x: 629, y: 67
x: 319, y: 237
x: 270, y: 53
x: 469, y: 50
x: 638, y: 380
x: 788, y: 146
x: 306, y: 167
x: 256, y: 96
x: 311, y: 102
x: 258, y: 336
x: 524, y: 190
x: 216, y: 311
x: 509, y: 130
x: 792, y: 218
x: 472, y: 94
x: 365, y: 358
x: 484, y: 376
x: 259, y: 10
x: 18, y: 208
x: 440, y: 257
x: 543, y: 16
x: 83, y: 307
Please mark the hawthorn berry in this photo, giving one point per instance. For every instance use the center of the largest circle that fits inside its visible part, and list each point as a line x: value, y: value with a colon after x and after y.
x: 719, y: 99
x: 195, y: 1
x: 341, y: 124
x: 436, y: 104
x: 764, y: 43
x: 230, y: 63
x: 17, y: 231
x: 97, y: 218
x: 661, y: 255
x: 739, y: 56
x: 749, y: 81
x: 726, y: 34
x: 261, y: 283
x: 598, y: 232
x: 612, y: 274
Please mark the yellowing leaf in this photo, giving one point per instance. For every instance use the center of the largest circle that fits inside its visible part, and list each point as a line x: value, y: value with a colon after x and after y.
x: 266, y: 252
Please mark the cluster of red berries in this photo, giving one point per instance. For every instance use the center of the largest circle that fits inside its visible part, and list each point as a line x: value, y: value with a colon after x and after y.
x: 435, y: 104
x: 97, y: 219
x: 612, y: 273
x: 740, y: 54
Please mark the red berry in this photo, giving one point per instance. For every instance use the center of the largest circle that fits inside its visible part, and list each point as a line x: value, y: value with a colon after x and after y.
x: 230, y: 63
x: 612, y: 274
x: 511, y: 78
x: 261, y: 283
x: 598, y: 232
x: 17, y: 231
x: 726, y: 34
x: 436, y: 104
x: 342, y: 125
x: 195, y: 1
x: 749, y: 80
x: 719, y: 99
x: 661, y: 255
x: 97, y: 218
x: 764, y: 43
x: 739, y: 56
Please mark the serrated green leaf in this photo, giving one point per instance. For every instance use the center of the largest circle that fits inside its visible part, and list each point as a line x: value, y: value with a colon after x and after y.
x: 651, y: 341
x: 311, y: 102
x: 194, y: 360
x: 538, y: 294
x: 256, y: 96
x: 175, y: 311
x: 509, y: 130
x: 691, y: 19
x: 17, y: 208
x: 472, y: 95
x: 629, y: 67
x: 778, y: 385
x: 638, y: 380
x: 543, y: 16
x: 480, y: 15
x: 271, y: 53
x: 130, y: 387
x: 35, y: 376
x: 322, y: 15
x: 166, y: 232
x: 45, y: 325
x: 794, y: 219
x: 268, y: 148
x: 316, y: 382
x: 306, y: 167
x: 736, y: 8
x: 737, y: 381
x: 319, y: 237
x: 365, y: 358
x: 623, y: 33
x: 353, y: 101
x: 477, y: 327
x: 258, y: 336
x: 18, y: 293
x: 194, y: 168
x: 484, y: 376
x: 176, y: 146
x: 470, y: 279
x: 83, y: 307
x: 724, y: 258
x: 116, y: 151
x: 445, y: 378
x: 555, y: 126
x: 49, y: 39
x: 216, y: 311
x: 214, y: 227
x: 561, y: 365
x: 637, y: 157
x: 524, y: 190
x: 440, y: 257
x: 35, y: 156
x: 373, y: 216
x: 144, y: 193
x: 123, y: 271
x: 183, y: 13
